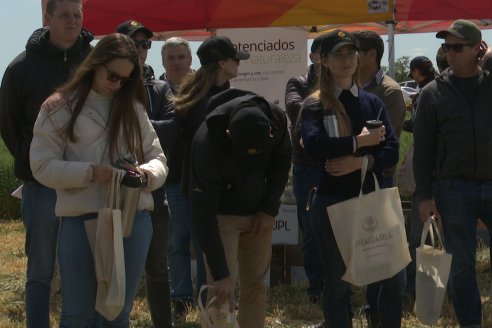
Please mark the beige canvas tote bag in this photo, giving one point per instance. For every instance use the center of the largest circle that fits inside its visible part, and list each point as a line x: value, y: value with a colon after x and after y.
x: 433, y: 267
x: 106, y: 238
x: 370, y: 234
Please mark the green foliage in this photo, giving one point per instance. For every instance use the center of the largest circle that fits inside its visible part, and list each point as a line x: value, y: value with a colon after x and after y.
x: 402, y: 68
x: 9, y: 206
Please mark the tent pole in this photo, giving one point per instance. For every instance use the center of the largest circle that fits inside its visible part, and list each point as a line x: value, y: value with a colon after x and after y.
x: 391, y: 48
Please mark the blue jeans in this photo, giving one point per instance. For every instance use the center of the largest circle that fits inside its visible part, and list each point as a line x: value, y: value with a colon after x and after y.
x: 460, y: 204
x: 78, y: 278
x: 38, y: 214
x: 181, y: 232
x: 336, y: 294
x: 305, y: 178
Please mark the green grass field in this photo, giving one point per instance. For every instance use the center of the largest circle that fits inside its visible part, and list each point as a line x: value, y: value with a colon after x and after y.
x: 288, y: 306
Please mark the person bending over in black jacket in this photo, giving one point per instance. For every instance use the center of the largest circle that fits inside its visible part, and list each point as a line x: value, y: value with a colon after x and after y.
x: 239, y: 167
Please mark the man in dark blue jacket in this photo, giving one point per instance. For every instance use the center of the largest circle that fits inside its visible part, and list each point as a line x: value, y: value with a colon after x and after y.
x: 51, y: 55
x: 240, y: 162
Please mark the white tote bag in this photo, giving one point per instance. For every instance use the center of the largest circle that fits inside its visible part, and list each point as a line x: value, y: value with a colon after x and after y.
x: 214, y: 316
x: 106, y: 241
x: 370, y: 234
x: 433, y: 267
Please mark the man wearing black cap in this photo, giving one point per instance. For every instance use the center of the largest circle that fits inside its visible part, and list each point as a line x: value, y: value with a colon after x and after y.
x: 240, y: 162
x: 160, y: 110
x: 306, y: 170
x: 423, y: 72
x: 452, y: 156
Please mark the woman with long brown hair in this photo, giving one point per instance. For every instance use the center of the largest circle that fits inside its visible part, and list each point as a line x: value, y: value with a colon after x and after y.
x: 75, y: 149
x: 220, y: 61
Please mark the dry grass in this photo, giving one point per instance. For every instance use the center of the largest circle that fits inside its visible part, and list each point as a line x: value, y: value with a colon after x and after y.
x: 288, y: 305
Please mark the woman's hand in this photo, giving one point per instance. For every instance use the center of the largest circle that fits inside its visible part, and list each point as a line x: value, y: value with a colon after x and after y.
x: 102, y: 173
x: 371, y: 137
x: 343, y: 165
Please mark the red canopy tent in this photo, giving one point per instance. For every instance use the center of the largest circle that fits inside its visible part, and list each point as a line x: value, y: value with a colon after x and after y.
x: 200, y: 16
x: 196, y: 19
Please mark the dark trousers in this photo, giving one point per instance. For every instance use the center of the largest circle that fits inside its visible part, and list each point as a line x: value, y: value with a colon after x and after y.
x: 156, y: 268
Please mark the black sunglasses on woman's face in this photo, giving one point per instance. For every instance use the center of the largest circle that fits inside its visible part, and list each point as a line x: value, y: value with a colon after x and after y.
x: 114, y: 77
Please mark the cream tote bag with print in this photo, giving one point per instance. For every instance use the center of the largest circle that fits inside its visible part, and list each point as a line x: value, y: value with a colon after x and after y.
x: 370, y: 234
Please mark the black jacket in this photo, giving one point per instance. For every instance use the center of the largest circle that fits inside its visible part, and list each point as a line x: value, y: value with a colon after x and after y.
x: 408, y: 124
x: 225, y: 183
x: 190, y: 124
x: 29, y: 79
x: 297, y: 90
x: 175, y: 152
x: 160, y: 109
x: 452, y: 139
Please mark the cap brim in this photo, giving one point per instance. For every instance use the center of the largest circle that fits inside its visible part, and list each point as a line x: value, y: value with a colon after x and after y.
x: 241, y: 55
x: 341, y: 44
x: 148, y: 33
x: 444, y: 34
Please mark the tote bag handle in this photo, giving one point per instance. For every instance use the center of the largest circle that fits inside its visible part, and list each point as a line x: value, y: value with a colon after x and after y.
x: 429, y: 223
x: 114, y: 192
x: 363, y: 173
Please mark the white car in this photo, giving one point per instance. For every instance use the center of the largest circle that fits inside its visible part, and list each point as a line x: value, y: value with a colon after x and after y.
x: 408, y: 94
x: 411, y: 84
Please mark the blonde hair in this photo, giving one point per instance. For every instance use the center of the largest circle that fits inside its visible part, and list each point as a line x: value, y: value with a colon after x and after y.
x: 329, y: 101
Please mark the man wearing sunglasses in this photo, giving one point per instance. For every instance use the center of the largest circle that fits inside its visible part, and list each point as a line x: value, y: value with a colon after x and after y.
x: 160, y: 110
x: 452, y: 156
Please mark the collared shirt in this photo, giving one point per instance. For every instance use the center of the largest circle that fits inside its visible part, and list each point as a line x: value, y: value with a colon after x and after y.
x: 376, y: 80
x: 353, y: 89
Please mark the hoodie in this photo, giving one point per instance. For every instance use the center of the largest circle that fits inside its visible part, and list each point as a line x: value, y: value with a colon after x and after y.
x: 28, y: 80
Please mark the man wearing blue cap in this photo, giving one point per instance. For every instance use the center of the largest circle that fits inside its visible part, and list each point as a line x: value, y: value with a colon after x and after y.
x: 452, y: 156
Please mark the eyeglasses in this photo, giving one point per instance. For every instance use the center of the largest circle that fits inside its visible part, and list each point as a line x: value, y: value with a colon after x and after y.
x: 457, y: 47
x: 340, y: 56
x: 114, y: 77
x: 144, y: 44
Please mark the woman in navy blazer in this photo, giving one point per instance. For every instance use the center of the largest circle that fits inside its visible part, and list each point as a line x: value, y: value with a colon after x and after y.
x: 333, y: 129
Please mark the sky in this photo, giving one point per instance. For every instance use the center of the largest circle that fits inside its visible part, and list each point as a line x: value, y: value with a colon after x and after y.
x: 20, y: 17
